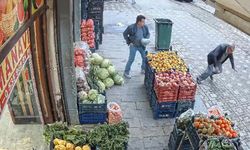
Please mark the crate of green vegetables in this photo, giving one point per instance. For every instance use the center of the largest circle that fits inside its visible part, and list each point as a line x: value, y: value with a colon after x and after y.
x: 92, y: 102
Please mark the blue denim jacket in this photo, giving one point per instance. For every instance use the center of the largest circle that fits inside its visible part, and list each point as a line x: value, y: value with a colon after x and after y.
x: 130, y: 33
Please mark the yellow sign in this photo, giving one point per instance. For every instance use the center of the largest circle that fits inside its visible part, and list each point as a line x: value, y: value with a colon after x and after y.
x: 11, y: 67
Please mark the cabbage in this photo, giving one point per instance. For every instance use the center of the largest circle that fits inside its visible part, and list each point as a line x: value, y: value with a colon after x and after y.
x: 96, y: 59
x: 105, y: 63
x: 108, y: 82
x: 100, y: 99
x: 118, y: 80
x: 101, y: 86
x: 111, y: 70
x: 92, y: 95
x: 82, y: 95
x: 102, y: 73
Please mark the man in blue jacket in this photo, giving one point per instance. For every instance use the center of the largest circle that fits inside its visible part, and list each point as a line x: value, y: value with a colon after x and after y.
x: 215, y: 60
x: 133, y: 36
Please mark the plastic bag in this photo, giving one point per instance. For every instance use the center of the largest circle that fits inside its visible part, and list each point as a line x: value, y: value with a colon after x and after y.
x: 79, y: 73
x: 82, y: 55
x: 114, y: 113
x: 214, y: 111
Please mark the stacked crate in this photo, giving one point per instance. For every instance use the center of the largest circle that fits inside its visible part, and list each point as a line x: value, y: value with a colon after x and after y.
x: 186, y: 99
x: 92, y: 113
x: 177, y: 140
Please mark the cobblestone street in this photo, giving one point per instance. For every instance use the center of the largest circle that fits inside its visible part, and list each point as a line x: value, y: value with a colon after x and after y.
x: 195, y: 33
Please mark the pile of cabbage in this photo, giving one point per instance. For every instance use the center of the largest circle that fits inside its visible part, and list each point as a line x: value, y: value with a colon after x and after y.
x: 105, y: 73
x: 92, y: 97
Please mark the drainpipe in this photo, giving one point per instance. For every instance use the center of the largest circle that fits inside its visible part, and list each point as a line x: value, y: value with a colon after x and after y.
x: 53, y: 61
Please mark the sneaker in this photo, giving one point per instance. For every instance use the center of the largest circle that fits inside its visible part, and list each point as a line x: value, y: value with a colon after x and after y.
x: 127, y: 76
x: 198, y: 80
x: 142, y: 71
x: 212, y: 78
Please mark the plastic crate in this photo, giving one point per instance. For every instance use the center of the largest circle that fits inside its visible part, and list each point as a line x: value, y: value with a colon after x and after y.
x: 92, y: 118
x: 183, y: 106
x: 163, y: 114
x: 187, y: 93
x: 163, y: 106
x: 173, y: 144
x: 165, y: 95
x: 86, y: 108
x: 193, y: 135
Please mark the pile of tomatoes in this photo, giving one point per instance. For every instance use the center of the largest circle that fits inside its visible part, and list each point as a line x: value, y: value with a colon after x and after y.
x: 215, y: 127
x: 87, y: 32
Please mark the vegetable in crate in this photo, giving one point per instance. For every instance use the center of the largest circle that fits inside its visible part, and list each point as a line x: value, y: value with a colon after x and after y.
x: 92, y: 95
x: 214, y: 127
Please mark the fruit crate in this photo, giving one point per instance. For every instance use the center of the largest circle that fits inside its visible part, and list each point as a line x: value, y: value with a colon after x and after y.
x: 182, y: 143
x: 187, y: 93
x: 93, y: 118
x: 165, y: 94
x: 94, y: 108
x: 158, y: 114
x: 163, y: 106
x: 183, y: 106
x: 192, y: 135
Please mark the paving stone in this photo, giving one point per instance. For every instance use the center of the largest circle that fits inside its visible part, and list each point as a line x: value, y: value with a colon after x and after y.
x: 159, y: 141
x: 135, y: 132
x: 152, y: 131
x: 135, y: 144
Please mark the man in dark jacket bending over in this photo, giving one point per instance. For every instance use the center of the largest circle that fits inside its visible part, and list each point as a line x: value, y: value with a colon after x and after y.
x: 215, y: 60
x: 133, y: 36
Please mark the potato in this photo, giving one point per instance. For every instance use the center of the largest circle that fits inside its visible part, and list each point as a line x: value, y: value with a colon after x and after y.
x: 70, y: 146
x: 86, y: 147
x: 78, y: 148
x: 60, y: 147
x: 62, y: 142
x: 56, y: 141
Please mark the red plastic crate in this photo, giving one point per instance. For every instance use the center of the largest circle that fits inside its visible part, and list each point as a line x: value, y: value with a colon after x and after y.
x: 167, y: 95
x: 187, y: 93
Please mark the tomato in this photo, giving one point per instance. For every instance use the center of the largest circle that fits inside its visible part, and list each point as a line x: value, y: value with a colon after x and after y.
x: 234, y: 135
x: 196, y: 125
x: 222, y: 125
x: 218, y: 122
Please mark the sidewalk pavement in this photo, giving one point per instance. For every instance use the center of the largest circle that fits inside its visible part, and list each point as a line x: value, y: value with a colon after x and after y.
x: 195, y: 33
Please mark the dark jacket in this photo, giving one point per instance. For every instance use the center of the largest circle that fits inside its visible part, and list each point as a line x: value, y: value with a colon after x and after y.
x: 214, y: 56
x: 130, y: 33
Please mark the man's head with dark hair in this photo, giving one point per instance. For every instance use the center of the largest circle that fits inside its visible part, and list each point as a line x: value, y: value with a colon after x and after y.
x: 140, y: 20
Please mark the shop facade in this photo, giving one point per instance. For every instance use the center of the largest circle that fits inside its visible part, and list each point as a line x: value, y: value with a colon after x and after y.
x: 26, y: 80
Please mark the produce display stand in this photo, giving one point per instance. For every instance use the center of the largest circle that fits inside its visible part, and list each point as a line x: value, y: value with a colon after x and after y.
x: 175, y: 100
x: 187, y: 138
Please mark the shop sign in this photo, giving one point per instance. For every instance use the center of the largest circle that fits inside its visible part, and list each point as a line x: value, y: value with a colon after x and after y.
x: 13, y: 14
x: 11, y: 67
x: 36, y: 4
